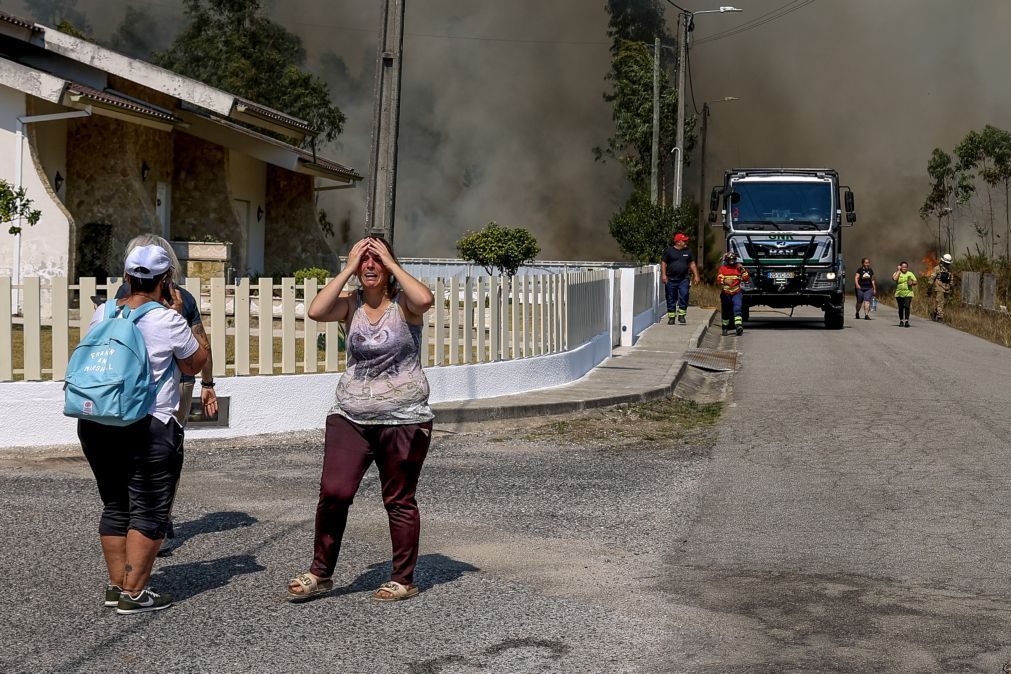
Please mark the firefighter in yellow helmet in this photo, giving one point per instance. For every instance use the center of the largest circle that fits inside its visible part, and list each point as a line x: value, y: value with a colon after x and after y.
x: 729, y: 278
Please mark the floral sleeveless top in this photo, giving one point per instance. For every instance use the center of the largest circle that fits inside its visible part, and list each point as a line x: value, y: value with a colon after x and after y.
x: 384, y: 382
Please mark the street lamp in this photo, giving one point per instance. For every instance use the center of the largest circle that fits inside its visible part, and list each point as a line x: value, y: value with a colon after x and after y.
x: 702, y: 173
x: 687, y: 19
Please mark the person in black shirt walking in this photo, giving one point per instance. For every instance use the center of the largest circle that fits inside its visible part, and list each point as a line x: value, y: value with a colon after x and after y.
x: 678, y: 262
x: 866, y: 287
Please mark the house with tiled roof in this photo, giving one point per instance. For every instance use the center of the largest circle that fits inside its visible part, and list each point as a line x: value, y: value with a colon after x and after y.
x: 108, y: 147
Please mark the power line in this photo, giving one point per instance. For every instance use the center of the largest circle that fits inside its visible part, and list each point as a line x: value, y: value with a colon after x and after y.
x: 759, y: 21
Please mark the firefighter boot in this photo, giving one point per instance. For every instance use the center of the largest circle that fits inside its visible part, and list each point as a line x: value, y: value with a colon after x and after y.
x: 739, y: 330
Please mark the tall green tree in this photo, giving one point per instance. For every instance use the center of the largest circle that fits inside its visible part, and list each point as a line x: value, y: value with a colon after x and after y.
x: 950, y: 187
x: 988, y: 154
x: 632, y: 98
x: 632, y: 27
x: 998, y: 146
x: 232, y: 45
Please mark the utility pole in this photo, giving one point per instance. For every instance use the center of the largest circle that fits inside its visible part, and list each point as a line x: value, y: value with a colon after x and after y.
x: 655, y: 157
x: 386, y: 123
x: 702, y: 187
x: 702, y: 173
x: 684, y: 25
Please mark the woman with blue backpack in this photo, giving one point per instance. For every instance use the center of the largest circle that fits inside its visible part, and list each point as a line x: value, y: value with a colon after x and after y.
x: 122, y: 385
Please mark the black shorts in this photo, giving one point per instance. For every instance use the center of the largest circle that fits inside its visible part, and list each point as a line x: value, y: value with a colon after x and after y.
x: 137, y: 468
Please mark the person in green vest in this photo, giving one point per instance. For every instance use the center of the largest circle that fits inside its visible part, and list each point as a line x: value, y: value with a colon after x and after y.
x: 905, y: 282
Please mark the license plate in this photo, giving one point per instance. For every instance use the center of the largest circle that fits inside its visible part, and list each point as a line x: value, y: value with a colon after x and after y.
x: 780, y: 274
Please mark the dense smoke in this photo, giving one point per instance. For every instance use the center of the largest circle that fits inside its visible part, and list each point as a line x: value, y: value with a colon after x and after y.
x: 502, y: 105
x: 866, y: 87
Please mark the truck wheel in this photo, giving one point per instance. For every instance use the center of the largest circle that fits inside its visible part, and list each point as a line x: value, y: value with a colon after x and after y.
x: 834, y: 319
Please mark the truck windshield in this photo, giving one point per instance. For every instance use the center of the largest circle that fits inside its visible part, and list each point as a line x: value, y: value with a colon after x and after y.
x: 765, y: 206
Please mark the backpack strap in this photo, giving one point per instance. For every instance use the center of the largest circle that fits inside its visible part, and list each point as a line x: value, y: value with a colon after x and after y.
x: 111, y: 309
x: 135, y: 315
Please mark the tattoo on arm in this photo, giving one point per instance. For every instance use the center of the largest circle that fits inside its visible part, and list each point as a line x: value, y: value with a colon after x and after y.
x: 201, y: 336
x: 207, y: 372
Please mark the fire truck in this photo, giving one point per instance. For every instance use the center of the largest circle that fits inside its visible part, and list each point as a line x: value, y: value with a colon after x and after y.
x: 786, y: 225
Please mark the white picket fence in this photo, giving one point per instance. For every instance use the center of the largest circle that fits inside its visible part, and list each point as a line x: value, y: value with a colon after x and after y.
x: 475, y: 320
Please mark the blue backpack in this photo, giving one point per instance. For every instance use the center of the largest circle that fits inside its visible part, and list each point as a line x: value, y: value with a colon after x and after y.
x: 108, y: 378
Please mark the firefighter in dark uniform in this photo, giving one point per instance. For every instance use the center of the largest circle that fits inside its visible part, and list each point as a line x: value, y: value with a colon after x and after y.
x: 940, y: 284
x: 730, y: 277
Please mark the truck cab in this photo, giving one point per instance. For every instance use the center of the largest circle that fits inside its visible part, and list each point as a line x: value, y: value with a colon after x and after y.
x: 785, y: 225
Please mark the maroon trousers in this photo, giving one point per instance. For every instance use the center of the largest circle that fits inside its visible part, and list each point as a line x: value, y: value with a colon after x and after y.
x: 399, y: 451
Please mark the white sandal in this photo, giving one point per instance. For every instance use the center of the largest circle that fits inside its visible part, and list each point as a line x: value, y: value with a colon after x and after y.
x: 310, y: 585
x: 394, y: 591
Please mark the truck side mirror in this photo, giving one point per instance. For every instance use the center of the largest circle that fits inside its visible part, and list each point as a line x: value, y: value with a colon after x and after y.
x: 714, y: 200
x: 851, y: 217
x: 712, y: 216
x: 848, y: 198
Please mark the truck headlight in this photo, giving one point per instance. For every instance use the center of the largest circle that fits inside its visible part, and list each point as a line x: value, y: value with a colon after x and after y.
x: 830, y: 275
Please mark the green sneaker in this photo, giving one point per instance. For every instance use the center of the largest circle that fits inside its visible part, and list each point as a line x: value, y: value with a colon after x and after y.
x: 143, y: 602
x: 112, y: 593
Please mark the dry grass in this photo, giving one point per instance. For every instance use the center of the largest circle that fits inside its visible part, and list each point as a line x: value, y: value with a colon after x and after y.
x: 993, y: 326
x: 670, y: 421
x: 706, y: 296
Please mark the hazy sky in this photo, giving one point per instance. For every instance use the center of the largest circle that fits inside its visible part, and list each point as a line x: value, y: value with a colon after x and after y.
x: 503, y: 105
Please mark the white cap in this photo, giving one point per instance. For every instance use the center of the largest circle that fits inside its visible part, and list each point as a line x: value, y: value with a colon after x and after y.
x: 946, y: 258
x: 147, y: 262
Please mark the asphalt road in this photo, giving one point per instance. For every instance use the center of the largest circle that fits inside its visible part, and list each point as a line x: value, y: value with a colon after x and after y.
x: 852, y: 517
x: 855, y: 516
x: 535, y: 558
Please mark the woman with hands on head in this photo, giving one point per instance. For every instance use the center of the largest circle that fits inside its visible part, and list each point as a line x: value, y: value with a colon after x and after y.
x: 380, y: 414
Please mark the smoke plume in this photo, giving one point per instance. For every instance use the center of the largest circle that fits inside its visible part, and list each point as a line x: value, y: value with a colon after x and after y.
x: 502, y: 104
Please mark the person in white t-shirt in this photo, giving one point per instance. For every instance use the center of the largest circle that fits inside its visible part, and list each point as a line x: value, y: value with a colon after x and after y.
x: 137, y: 466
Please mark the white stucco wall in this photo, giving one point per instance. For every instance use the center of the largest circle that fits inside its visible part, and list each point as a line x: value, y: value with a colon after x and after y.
x: 34, y: 410
x: 44, y: 247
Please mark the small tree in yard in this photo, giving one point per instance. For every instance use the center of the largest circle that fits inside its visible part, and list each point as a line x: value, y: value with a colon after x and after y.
x: 15, y: 204
x: 498, y: 247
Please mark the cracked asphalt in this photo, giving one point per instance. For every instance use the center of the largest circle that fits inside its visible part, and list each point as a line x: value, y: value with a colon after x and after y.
x: 849, y: 513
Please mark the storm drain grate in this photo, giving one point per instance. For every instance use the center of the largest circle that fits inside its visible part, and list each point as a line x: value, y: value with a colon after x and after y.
x: 712, y: 359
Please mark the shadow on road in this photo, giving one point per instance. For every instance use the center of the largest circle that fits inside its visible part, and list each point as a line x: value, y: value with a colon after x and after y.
x: 210, y: 523
x: 772, y: 320
x: 188, y: 580
x: 432, y: 570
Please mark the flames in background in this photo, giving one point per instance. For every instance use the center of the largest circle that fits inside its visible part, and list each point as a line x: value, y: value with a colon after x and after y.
x: 929, y: 261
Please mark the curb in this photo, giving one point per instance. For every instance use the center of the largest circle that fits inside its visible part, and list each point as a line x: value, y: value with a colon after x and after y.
x: 455, y: 414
